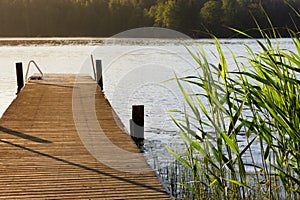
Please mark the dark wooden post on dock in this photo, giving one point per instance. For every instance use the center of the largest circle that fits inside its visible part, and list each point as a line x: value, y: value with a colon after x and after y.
x: 20, y: 78
x: 137, y: 125
x: 99, y: 73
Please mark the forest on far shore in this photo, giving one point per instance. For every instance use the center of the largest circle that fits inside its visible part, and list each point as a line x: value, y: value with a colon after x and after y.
x: 104, y: 18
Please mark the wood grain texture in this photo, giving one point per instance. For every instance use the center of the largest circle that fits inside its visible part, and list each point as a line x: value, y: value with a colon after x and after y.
x: 43, y: 157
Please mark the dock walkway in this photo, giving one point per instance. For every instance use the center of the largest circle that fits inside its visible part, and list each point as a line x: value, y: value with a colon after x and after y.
x: 48, y: 152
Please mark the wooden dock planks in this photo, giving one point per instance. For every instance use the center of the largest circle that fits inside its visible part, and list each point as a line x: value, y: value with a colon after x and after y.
x: 42, y: 156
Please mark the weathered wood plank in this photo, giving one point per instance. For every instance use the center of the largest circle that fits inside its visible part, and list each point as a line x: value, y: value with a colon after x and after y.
x: 42, y: 156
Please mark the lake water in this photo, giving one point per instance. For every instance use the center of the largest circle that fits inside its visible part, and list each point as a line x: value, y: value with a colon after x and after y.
x: 135, y: 72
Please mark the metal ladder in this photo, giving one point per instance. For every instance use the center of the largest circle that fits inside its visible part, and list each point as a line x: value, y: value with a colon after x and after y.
x: 33, y: 77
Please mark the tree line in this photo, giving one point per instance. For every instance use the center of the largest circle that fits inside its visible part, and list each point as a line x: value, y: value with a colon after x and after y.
x: 104, y: 18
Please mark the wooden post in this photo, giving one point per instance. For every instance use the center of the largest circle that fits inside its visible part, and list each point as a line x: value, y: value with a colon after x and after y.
x: 99, y: 74
x: 137, y: 125
x: 20, y: 77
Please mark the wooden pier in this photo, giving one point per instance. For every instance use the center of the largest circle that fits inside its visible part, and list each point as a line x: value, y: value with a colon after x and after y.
x: 42, y: 155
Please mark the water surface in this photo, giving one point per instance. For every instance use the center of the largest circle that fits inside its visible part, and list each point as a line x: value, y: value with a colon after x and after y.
x: 135, y: 72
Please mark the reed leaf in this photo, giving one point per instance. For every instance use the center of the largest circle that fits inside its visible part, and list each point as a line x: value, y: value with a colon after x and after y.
x: 259, y: 102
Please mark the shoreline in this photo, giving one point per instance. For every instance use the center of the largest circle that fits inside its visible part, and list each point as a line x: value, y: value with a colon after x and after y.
x: 100, y: 41
x: 54, y: 41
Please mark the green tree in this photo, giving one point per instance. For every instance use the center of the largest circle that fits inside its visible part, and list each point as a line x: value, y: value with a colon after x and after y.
x: 108, y: 17
x: 156, y: 12
x: 211, y: 15
x: 126, y: 14
x: 231, y: 10
x: 180, y: 15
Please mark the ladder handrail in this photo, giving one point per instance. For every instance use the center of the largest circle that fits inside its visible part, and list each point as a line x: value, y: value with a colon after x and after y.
x: 28, y: 66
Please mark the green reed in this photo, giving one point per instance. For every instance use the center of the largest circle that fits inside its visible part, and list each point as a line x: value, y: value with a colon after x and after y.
x: 274, y: 98
x: 258, y: 102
